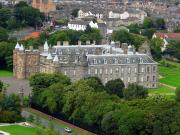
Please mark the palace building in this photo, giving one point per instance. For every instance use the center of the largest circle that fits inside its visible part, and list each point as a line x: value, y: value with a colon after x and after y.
x: 107, y: 62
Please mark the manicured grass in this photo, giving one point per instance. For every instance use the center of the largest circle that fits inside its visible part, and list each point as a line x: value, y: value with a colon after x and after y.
x: 163, y: 90
x: 5, y: 73
x: 171, y: 75
x: 19, y: 130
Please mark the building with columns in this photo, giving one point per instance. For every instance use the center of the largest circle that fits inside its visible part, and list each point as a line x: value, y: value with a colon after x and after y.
x: 108, y: 62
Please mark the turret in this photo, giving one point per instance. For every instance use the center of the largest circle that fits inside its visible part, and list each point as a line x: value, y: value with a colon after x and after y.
x: 17, y: 46
x: 56, y: 59
x: 46, y: 47
x: 21, y: 48
x: 49, y: 57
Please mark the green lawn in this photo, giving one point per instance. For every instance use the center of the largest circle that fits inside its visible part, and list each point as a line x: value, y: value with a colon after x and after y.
x: 5, y: 73
x: 19, y: 130
x: 162, y: 90
x: 171, y: 76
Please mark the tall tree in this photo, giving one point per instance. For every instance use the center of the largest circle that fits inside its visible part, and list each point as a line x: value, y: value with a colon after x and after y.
x: 115, y: 87
x: 134, y: 91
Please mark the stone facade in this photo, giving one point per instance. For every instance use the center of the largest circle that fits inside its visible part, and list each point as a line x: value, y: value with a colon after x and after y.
x: 45, y: 6
x: 79, y: 61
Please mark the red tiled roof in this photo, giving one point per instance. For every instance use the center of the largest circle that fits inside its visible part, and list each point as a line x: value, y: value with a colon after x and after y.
x: 33, y: 35
x: 168, y: 35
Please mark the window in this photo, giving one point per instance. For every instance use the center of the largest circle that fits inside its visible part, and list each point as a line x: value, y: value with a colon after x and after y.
x: 95, y: 71
x: 128, y: 61
x: 147, y: 78
x: 117, y: 70
x: 89, y: 71
x: 129, y: 70
x: 154, y: 68
x: 129, y: 79
x: 142, y: 79
x: 105, y: 61
x: 65, y: 73
x: 95, y: 61
x: 135, y: 79
x: 142, y: 69
x: 100, y: 71
x: 74, y: 72
x: 115, y: 61
x: 135, y: 70
x: 111, y: 71
x: 122, y: 69
x: 148, y: 69
x: 154, y: 78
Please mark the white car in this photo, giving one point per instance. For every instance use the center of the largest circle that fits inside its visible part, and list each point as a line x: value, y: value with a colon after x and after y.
x: 67, y: 129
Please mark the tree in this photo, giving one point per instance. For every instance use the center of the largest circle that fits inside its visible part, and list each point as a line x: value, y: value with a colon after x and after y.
x: 95, y: 83
x: 74, y: 13
x: 21, y: 4
x: 1, y: 86
x: 3, y: 34
x: 115, y: 87
x: 155, y: 46
x: 134, y: 91
x: 134, y: 28
x: 121, y: 35
x: 5, y: 14
x: 177, y: 30
x: 160, y: 23
x: 110, y: 124
x: 177, y: 94
x: 148, y: 23
x: 173, y: 49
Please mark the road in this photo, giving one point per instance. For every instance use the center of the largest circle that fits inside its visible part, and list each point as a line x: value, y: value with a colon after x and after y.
x: 58, y: 125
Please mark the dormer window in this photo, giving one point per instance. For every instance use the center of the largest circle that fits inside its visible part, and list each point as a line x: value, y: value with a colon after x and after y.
x: 115, y: 61
x: 95, y: 61
x: 128, y: 60
x: 105, y: 61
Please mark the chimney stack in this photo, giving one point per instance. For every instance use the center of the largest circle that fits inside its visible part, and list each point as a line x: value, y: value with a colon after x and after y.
x: 124, y: 47
x: 58, y: 43
x: 65, y: 43
x: 79, y: 42
x: 88, y: 42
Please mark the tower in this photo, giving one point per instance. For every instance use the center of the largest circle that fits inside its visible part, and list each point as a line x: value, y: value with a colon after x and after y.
x: 44, y: 5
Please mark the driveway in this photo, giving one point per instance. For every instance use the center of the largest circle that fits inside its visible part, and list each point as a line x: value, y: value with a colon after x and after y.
x: 16, y: 86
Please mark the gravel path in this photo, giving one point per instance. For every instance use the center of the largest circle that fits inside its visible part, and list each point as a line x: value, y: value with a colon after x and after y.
x: 16, y: 85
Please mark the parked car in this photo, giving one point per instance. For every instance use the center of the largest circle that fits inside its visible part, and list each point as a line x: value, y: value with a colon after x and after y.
x: 67, y: 129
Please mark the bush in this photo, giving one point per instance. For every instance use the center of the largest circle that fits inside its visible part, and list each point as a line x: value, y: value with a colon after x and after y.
x: 177, y: 95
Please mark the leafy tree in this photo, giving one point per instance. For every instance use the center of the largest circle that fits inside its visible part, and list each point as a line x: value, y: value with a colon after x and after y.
x: 173, y: 49
x: 95, y: 83
x: 177, y: 30
x: 160, y: 23
x: 5, y: 14
x: 155, y: 46
x: 74, y: 13
x: 1, y: 86
x: 21, y: 4
x: 134, y: 28
x: 110, y: 123
x: 148, y: 23
x: 121, y: 35
x: 148, y: 32
x: 3, y: 34
x: 177, y: 94
x: 134, y: 91
x: 115, y: 87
